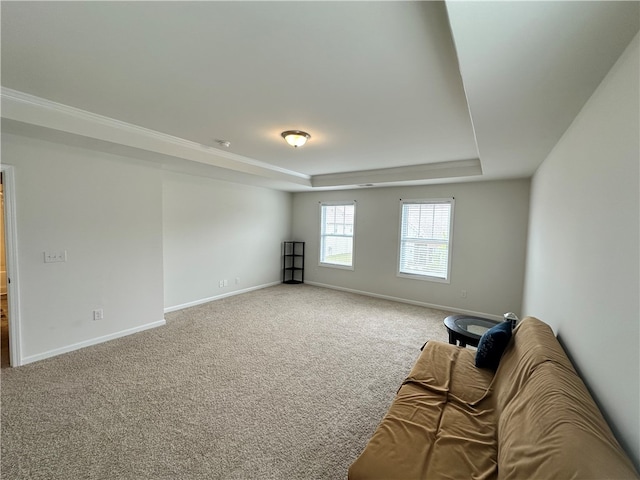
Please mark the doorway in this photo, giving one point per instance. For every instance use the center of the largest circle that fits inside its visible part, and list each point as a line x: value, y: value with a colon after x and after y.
x: 10, y: 343
x: 4, y: 300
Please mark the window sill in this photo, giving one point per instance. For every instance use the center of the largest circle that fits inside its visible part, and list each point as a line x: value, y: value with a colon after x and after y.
x: 334, y: 265
x: 424, y: 278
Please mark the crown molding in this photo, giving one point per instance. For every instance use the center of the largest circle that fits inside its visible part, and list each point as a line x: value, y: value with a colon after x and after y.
x: 412, y: 173
x: 65, y: 122
x: 32, y: 110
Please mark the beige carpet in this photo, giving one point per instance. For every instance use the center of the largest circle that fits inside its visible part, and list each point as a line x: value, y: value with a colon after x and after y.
x: 288, y: 382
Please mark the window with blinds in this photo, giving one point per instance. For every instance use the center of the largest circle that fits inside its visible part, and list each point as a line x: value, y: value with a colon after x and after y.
x: 337, y: 225
x: 425, y: 239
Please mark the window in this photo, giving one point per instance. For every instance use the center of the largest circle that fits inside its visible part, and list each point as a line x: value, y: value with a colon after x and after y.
x: 425, y: 239
x: 336, y: 233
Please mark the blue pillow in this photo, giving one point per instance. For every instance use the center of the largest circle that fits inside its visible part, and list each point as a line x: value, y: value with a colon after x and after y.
x: 492, y: 345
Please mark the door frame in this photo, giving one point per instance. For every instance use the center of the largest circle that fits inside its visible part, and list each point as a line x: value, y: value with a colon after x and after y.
x: 11, y: 252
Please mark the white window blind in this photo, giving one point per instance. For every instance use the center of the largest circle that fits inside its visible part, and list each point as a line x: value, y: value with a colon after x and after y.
x: 425, y: 238
x: 336, y: 233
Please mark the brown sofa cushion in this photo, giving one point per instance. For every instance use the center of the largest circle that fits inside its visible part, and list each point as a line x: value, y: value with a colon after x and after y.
x: 445, y: 368
x: 440, y: 423
x: 533, y: 343
x: 549, y: 426
x: 553, y: 429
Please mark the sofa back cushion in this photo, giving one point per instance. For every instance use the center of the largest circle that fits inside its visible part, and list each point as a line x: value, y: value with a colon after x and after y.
x: 532, y: 344
x: 552, y: 428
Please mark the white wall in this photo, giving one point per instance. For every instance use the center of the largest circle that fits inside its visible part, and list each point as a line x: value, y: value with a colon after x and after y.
x: 105, y: 211
x: 216, y: 230
x: 111, y: 215
x: 489, y: 238
x: 583, y: 260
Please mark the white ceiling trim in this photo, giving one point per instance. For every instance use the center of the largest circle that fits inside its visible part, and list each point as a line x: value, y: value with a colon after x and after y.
x: 32, y: 110
x: 428, y: 171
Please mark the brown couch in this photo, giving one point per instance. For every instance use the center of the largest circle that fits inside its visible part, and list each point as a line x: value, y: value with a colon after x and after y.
x: 533, y: 419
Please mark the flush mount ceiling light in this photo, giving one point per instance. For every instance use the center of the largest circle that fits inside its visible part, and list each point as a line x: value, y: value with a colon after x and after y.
x: 295, y: 138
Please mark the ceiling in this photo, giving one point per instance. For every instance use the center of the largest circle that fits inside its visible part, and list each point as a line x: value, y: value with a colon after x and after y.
x: 392, y: 93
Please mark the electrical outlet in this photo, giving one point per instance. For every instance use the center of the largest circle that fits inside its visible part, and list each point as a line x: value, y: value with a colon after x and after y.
x: 221, y: 283
x: 98, y: 314
x: 226, y: 283
x: 52, y: 257
x: 463, y: 293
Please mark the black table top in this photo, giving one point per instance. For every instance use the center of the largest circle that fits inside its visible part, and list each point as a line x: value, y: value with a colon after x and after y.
x: 469, y: 326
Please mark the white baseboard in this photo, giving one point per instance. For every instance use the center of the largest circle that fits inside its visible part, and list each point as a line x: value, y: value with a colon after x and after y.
x: 218, y: 297
x: 88, y: 343
x: 410, y: 302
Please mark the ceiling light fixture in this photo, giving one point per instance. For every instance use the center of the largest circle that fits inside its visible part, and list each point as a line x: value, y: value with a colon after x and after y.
x: 295, y: 138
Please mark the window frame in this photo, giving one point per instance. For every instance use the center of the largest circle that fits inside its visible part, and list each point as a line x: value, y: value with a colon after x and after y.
x: 426, y: 277
x: 322, y: 235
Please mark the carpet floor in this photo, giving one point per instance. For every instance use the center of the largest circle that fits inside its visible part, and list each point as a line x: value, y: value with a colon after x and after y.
x: 287, y: 382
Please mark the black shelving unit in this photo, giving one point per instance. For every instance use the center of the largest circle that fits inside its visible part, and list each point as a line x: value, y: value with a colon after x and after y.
x: 293, y: 262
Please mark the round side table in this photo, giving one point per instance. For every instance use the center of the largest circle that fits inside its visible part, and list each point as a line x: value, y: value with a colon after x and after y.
x: 466, y: 329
